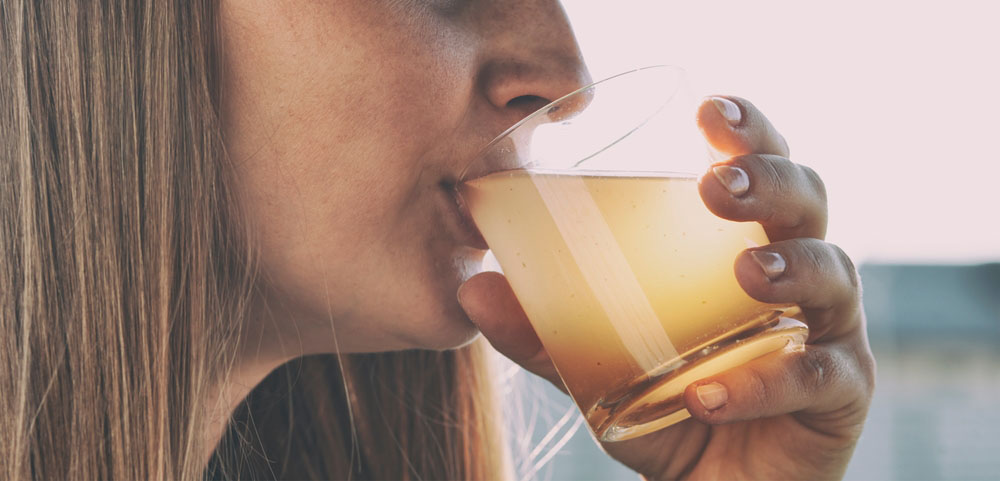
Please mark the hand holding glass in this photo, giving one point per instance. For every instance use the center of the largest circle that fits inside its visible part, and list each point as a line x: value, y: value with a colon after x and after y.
x: 591, y: 207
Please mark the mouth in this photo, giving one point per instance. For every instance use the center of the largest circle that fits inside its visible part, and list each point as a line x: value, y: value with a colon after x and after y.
x: 458, y: 218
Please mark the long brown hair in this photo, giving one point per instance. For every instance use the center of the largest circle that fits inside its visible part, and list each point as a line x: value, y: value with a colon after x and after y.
x: 125, y: 275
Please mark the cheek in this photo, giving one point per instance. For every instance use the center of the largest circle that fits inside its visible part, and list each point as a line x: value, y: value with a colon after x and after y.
x: 333, y: 153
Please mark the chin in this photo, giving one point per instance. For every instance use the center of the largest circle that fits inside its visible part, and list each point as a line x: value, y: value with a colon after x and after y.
x: 450, y: 330
x: 450, y: 335
x: 441, y: 323
x: 431, y: 317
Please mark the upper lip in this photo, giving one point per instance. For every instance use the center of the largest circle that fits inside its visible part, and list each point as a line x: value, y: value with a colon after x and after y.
x: 468, y: 233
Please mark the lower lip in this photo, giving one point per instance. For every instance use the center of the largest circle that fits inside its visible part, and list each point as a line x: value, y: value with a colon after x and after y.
x: 464, y: 230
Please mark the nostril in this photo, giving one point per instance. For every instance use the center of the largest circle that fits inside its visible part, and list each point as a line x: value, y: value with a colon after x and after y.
x: 527, y: 103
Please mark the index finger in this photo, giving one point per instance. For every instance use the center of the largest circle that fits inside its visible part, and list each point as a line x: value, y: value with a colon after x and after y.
x: 734, y: 126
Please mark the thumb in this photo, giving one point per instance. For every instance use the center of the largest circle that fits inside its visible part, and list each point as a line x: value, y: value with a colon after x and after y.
x: 489, y: 302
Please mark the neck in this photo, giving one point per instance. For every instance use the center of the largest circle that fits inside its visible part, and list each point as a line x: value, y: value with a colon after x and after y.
x: 253, y: 363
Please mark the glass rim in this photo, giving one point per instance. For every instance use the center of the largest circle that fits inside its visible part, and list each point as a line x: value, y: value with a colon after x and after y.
x: 544, y: 110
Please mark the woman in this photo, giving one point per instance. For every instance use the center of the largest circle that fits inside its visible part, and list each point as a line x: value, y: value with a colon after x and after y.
x: 203, y: 202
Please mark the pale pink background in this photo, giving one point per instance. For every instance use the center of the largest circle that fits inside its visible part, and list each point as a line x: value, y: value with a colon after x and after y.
x: 894, y: 103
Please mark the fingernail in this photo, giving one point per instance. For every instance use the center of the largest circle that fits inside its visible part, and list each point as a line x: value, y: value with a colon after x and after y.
x: 712, y: 396
x: 729, y: 110
x: 734, y: 179
x: 771, y: 263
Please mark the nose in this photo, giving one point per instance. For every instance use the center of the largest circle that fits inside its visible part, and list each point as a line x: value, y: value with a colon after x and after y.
x: 531, y: 57
x: 519, y: 88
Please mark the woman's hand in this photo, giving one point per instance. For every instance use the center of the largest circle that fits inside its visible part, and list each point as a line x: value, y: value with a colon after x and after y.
x: 789, y: 414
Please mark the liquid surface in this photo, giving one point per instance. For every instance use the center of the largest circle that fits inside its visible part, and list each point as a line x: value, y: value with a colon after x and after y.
x: 619, y: 275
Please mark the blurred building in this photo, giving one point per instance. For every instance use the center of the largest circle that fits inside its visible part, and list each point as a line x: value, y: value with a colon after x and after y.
x: 935, y: 331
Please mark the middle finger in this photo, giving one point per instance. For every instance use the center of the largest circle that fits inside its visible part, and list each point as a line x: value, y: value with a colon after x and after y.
x: 788, y: 199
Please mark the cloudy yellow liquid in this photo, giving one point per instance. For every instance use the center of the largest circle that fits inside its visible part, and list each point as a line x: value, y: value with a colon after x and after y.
x: 627, y: 279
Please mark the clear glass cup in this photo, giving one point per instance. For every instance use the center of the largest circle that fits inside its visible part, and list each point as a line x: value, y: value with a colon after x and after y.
x: 591, y: 207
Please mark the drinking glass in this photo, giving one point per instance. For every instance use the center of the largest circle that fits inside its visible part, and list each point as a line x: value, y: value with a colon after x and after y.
x: 591, y: 207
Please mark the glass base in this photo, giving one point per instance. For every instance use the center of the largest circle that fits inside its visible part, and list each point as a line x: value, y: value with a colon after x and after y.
x: 656, y: 401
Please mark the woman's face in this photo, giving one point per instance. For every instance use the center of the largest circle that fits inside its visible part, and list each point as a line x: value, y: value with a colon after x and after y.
x: 349, y: 122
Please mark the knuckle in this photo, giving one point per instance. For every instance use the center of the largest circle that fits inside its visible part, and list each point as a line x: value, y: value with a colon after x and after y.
x: 766, y: 175
x: 847, y: 288
x: 778, y: 169
x: 868, y: 369
x: 815, y: 260
x: 814, y: 181
x: 815, y: 370
x: 847, y: 266
x: 757, y: 392
x: 784, y: 144
x: 827, y: 265
x: 778, y: 180
x: 858, y: 375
